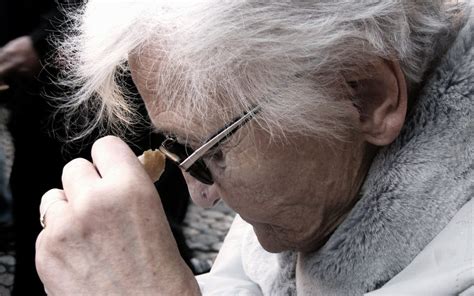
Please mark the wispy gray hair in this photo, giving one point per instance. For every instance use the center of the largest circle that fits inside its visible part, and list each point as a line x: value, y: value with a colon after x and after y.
x: 220, y: 57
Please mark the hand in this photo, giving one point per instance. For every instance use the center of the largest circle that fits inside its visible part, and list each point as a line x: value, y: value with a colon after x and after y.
x: 106, y: 233
x: 19, y: 58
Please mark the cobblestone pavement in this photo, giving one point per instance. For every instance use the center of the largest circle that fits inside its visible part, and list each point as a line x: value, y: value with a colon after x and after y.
x: 204, y: 230
x: 7, y: 268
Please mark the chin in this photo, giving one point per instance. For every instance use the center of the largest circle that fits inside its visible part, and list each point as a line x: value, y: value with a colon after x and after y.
x: 268, y: 240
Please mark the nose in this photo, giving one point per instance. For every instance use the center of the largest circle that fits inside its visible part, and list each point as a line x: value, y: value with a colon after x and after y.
x: 203, y: 195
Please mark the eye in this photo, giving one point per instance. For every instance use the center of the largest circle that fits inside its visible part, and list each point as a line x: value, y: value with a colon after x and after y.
x: 215, y: 160
x: 215, y: 154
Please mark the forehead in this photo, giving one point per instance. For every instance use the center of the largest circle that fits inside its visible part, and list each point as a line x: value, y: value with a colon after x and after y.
x: 169, y: 111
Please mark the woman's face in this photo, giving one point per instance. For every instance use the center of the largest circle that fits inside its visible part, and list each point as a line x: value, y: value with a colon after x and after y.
x: 293, y: 193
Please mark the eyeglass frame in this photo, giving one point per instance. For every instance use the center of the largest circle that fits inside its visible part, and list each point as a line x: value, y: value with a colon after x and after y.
x: 194, y: 159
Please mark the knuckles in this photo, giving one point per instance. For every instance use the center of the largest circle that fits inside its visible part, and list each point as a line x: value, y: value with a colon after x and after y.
x: 104, y: 142
x: 104, y: 199
x: 74, y: 165
x: 108, y: 202
x: 52, y: 193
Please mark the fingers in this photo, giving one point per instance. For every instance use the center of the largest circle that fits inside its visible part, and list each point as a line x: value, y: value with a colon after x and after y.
x: 114, y: 159
x: 52, y: 205
x: 78, y: 174
x: 89, y: 186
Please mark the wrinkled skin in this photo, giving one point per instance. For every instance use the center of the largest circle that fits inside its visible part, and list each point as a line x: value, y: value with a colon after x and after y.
x: 106, y: 233
x: 293, y: 193
x: 108, y: 222
x: 292, y: 196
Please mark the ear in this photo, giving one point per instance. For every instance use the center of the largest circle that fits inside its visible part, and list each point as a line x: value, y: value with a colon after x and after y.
x: 381, y: 97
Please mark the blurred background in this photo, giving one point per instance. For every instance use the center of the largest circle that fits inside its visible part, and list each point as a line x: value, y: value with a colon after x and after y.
x: 33, y: 150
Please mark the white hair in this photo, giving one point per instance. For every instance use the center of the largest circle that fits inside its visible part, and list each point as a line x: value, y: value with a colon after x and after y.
x: 221, y: 57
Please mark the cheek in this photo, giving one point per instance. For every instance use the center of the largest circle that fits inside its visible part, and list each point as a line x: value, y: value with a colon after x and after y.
x: 280, y: 185
x: 255, y: 184
x: 238, y: 182
x: 293, y: 195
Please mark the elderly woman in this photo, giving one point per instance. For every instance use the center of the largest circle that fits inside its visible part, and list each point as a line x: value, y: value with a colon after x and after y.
x: 341, y: 132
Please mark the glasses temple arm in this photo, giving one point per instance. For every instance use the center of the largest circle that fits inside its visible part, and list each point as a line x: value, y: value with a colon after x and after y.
x: 188, y: 162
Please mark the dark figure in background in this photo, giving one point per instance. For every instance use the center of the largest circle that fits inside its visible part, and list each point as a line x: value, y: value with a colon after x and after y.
x: 23, y: 35
x: 5, y: 197
x: 25, y: 26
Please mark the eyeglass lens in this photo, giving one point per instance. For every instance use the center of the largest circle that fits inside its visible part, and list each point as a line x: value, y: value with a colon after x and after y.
x: 198, y: 169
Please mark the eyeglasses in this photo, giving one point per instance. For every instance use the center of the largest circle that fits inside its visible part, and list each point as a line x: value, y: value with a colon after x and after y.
x: 191, y: 160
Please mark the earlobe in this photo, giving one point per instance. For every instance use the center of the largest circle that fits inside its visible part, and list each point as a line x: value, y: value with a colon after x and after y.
x: 381, y: 100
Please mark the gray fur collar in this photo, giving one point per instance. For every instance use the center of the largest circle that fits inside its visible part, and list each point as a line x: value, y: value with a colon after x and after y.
x: 414, y: 187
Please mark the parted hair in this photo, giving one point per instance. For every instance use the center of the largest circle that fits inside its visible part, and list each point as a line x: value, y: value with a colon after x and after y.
x: 221, y: 57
